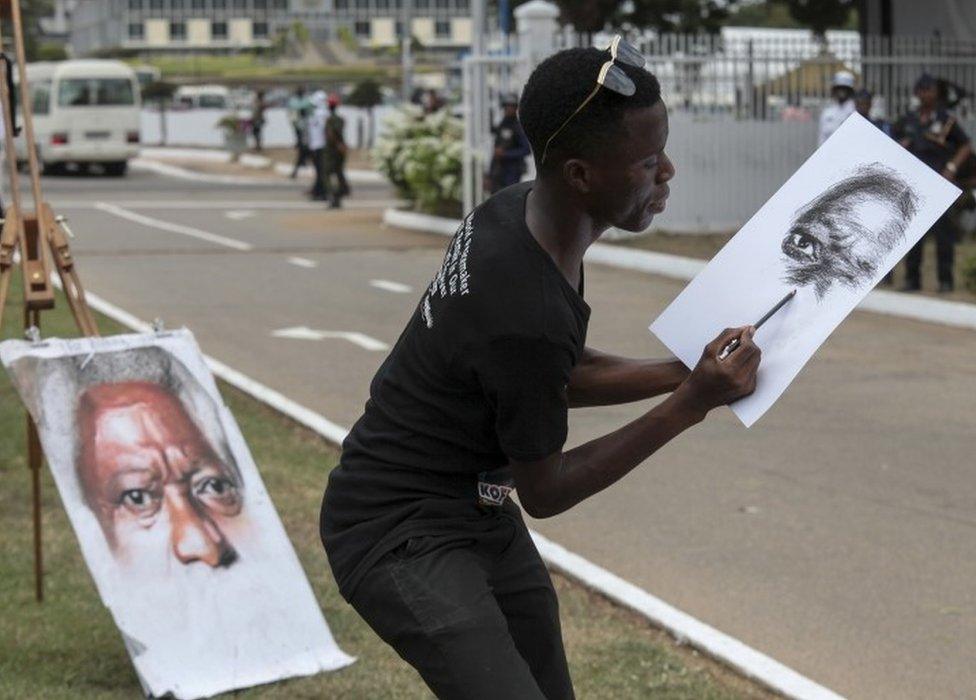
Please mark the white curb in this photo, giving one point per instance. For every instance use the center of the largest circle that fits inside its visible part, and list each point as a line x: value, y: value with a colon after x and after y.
x: 682, y: 626
x: 919, y: 308
x: 154, y: 159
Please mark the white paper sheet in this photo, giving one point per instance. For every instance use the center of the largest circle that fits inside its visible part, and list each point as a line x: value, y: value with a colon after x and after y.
x: 174, y: 521
x: 837, y: 226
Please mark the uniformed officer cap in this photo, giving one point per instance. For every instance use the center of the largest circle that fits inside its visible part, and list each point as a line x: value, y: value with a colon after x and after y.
x: 509, y: 98
x: 926, y: 80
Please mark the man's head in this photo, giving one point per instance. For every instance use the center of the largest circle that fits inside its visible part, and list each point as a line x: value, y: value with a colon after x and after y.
x: 509, y: 104
x: 842, y: 86
x: 862, y: 103
x: 156, y: 485
x: 927, y: 91
x: 846, y: 233
x: 610, y: 156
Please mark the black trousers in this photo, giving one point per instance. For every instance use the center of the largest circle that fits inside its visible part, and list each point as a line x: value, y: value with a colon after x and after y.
x: 334, y: 166
x: 945, y: 252
x: 318, y: 187
x: 474, y: 613
x: 301, y: 151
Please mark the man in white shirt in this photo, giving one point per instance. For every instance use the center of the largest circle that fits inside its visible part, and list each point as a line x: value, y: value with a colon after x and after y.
x: 315, y: 138
x: 834, y: 114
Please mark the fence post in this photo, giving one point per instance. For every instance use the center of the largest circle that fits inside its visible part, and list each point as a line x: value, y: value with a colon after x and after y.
x: 537, y: 27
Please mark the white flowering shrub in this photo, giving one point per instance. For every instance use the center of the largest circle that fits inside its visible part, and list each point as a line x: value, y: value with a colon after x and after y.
x: 421, y: 155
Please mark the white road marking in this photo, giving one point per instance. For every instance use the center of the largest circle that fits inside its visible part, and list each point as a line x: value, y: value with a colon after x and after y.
x: 173, y: 228
x: 303, y: 262
x: 391, y: 286
x: 239, y: 214
x: 305, y: 333
x: 684, y: 627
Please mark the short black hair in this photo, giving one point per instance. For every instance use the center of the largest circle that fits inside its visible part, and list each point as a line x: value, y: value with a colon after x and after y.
x: 558, y: 86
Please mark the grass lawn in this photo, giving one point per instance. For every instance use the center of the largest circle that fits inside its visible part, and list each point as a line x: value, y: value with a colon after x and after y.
x: 68, y: 647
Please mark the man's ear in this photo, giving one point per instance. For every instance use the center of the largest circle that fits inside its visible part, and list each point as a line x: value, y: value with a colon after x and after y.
x: 578, y: 175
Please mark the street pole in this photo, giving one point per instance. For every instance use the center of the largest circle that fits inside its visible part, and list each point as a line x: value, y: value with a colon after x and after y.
x: 406, y: 60
x: 478, y: 120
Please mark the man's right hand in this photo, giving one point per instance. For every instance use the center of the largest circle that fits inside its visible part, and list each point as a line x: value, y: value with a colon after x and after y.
x: 714, y: 382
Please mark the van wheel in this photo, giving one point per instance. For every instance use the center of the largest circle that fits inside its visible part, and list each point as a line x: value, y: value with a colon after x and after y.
x: 116, y: 169
x: 52, y: 168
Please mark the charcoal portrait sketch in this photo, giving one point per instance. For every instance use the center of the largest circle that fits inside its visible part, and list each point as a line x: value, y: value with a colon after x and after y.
x: 831, y: 232
x: 846, y: 233
x: 172, y: 517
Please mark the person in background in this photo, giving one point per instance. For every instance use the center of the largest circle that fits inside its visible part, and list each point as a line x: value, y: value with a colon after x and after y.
x: 932, y: 134
x: 834, y: 114
x: 334, y: 156
x: 315, y: 140
x: 511, y: 148
x: 257, y: 118
x: 863, y: 100
x: 298, y: 111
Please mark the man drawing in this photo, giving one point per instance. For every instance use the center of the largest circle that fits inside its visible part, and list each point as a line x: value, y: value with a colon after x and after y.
x: 473, y: 399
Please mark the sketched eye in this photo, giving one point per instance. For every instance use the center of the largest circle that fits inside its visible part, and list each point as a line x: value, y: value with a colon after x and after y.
x: 218, y: 492
x: 801, y: 246
x: 139, y: 501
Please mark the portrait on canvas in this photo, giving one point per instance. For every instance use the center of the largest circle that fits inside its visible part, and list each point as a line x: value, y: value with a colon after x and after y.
x: 173, y: 519
x: 831, y: 232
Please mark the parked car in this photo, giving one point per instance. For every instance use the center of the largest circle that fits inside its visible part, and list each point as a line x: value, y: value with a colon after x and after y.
x: 202, y: 97
x: 85, y: 112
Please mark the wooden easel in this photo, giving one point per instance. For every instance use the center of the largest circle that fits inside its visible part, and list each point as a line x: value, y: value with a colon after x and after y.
x: 41, y: 238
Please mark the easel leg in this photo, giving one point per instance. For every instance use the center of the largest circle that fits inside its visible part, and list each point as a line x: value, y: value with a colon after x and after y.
x: 35, y: 458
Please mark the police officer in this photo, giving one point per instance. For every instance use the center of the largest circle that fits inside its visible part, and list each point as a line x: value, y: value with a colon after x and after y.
x: 834, y: 114
x: 511, y: 148
x: 934, y: 136
x: 863, y: 100
x: 334, y: 156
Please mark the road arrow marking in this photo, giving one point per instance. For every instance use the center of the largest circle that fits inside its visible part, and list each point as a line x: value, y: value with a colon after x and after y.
x: 305, y: 333
x: 303, y: 262
x: 389, y: 286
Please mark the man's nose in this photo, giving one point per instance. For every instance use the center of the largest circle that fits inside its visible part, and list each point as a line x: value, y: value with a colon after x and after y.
x: 666, y: 171
x: 194, y: 536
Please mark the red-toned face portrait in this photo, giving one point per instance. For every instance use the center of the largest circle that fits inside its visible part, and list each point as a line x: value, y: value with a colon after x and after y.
x: 156, y: 485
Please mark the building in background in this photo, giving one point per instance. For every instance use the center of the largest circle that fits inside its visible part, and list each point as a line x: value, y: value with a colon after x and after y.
x: 216, y: 25
x: 58, y: 24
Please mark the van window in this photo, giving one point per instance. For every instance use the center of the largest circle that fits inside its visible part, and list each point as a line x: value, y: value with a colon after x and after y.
x: 212, y: 101
x: 41, y: 97
x: 85, y: 92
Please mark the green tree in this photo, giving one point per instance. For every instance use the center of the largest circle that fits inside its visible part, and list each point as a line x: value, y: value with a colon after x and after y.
x: 31, y: 13
x: 767, y: 14
x: 51, y: 52
x: 821, y: 15
x: 683, y: 16
x: 160, y: 92
x: 366, y: 95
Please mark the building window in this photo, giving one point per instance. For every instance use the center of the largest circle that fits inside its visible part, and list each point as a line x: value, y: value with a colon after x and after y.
x: 240, y: 4
x: 136, y: 30
x: 442, y: 29
x: 177, y: 4
x: 135, y: 4
x: 463, y: 4
x: 260, y: 4
x: 399, y: 30
x: 218, y: 31
x: 220, y: 4
x: 382, y: 4
x: 362, y: 29
x: 260, y: 30
x: 422, y: 4
x: 199, y: 4
x: 156, y: 5
x: 280, y: 4
x: 440, y: 4
x: 342, y: 4
x: 177, y: 31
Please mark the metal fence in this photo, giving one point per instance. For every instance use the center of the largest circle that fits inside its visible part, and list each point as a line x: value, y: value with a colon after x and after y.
x: 744, y: 106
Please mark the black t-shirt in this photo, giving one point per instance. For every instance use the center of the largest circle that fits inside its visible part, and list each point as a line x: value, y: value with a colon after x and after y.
x: 934, y: 141
x: 477, y: 379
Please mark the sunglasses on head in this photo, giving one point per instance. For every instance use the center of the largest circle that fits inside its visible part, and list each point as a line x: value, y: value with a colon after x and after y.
x: 611, y: 76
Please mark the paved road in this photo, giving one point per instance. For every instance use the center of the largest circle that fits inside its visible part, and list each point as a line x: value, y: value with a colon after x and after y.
x: 838, y: 535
